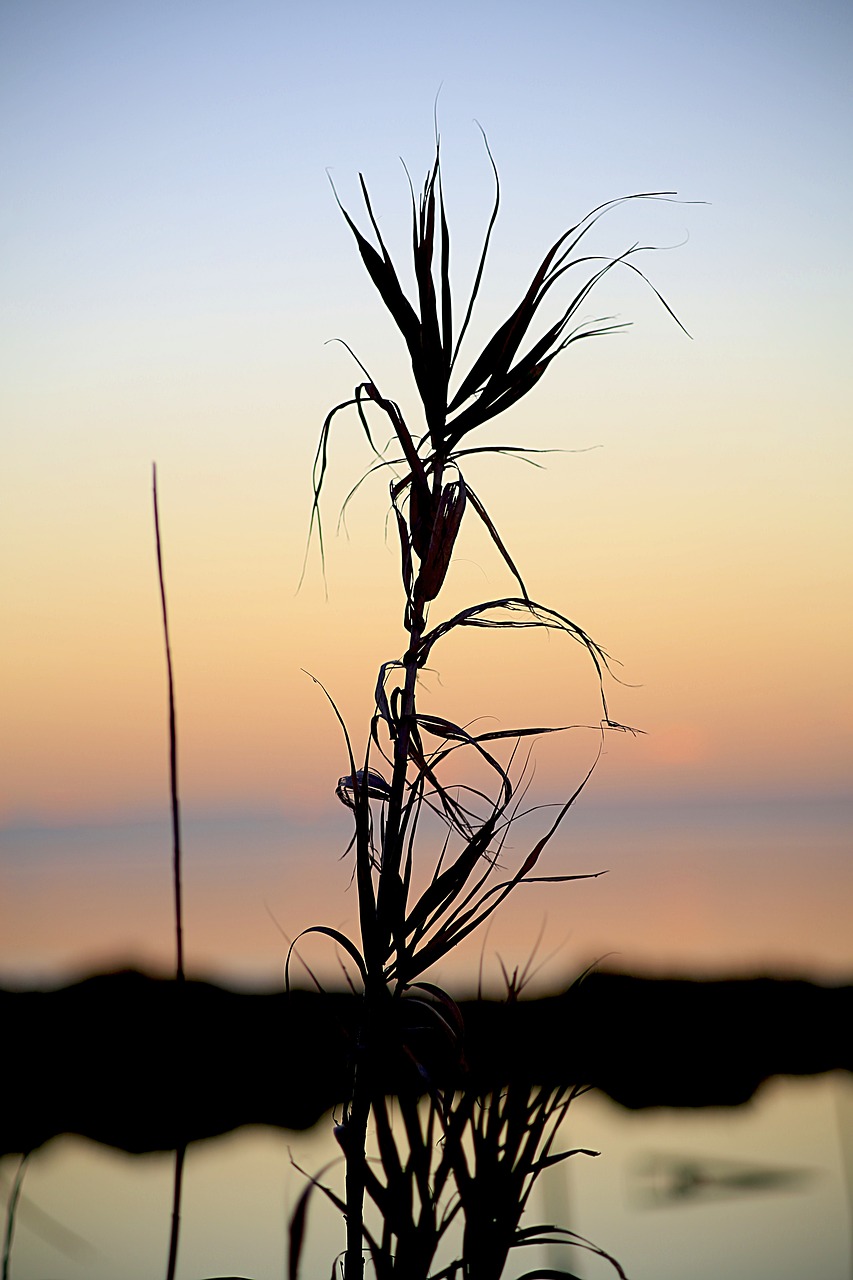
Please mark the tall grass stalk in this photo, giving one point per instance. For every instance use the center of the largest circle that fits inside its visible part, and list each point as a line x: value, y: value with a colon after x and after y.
x: 175, y: 807
x: 181, y: 1149
x: 406, y: 772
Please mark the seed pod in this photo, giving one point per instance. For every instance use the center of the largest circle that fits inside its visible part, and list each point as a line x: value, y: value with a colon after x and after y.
x: 448, y: 518
x: 421, y: 517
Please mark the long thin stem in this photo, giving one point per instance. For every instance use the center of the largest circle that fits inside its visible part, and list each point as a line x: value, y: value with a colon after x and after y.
x: 376, y: 992
x: 181, y: 1149
x: 356, y: 1133
x: 175, y: 1231
x: 173, y: 754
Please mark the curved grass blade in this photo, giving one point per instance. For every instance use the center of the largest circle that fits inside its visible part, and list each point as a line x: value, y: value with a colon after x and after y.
x: 537, y: 616
x: 342, y: 941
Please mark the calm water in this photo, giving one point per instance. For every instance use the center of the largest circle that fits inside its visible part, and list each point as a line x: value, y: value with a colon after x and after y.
x: 723, y: 886
x: 89, y: 1213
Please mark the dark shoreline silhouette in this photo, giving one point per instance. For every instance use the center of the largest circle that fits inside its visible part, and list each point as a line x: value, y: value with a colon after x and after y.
x: 142, y: 1064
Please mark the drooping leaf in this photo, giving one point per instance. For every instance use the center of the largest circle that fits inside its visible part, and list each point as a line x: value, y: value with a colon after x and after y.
x: 535, y: 615
x: 496, y: 539
x: 342, y: 940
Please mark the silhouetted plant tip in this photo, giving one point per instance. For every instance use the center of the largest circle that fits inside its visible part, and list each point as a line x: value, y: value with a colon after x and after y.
x: 455, y: 1157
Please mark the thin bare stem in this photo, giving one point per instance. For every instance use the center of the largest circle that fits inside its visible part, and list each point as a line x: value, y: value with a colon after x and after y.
x: 173, y: 752
x: 177, y: 1188
x: 181, y: 1149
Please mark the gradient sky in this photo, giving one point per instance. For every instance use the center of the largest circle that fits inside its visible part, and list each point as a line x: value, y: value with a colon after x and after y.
x: 173, y: 265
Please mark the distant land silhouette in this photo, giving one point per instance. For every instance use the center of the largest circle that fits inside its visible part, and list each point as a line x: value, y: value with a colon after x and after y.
x: 142, y: 1063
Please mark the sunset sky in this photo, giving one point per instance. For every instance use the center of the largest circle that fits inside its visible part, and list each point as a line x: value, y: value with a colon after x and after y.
x: 174, y: 266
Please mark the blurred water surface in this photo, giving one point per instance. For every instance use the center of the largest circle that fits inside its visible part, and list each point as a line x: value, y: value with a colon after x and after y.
x: 89, y: 1213
x: 724, y: 885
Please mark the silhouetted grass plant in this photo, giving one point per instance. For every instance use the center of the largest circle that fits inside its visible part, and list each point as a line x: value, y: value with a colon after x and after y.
x: 460, y: 1157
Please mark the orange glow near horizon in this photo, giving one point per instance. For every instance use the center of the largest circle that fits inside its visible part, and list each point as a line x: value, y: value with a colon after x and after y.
x: 719, y: 637
x: 689, y: 888
x: 178, y: 272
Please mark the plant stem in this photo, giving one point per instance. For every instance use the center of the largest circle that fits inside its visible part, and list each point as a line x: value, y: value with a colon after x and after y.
x: 173, y: 754
x: 181, y: 1149
x: 356, y: 1138
x: 376, y: 992
x: 177, y: 1187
